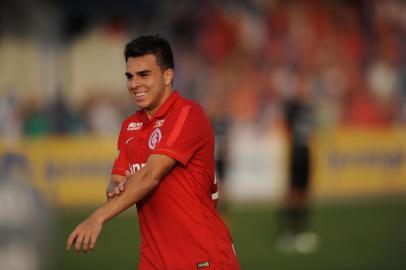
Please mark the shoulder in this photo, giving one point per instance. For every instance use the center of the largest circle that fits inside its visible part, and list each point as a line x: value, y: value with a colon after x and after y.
x: 193, y: 114
x: 193, y: 108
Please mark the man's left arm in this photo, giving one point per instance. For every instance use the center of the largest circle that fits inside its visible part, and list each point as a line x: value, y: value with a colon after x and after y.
x: 137, y: 186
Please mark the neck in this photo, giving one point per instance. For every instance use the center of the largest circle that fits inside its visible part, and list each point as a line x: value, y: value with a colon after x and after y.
x: 168, y: 91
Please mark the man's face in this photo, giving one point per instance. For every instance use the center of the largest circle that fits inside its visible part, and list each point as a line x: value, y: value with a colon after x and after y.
x: 148, y: 85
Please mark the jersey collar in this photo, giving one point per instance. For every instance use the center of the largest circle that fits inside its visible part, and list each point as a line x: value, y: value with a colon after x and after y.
x: 174, y: 96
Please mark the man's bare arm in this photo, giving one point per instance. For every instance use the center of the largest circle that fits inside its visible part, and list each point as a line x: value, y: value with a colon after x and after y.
x: 137, y: 186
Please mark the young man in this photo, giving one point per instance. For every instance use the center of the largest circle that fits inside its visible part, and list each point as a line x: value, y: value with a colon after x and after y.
x: 168, y: 145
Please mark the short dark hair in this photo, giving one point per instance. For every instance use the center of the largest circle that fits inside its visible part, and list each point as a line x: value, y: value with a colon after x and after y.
x: 151, y: 44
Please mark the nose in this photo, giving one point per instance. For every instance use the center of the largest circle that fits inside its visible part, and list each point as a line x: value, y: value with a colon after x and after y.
x: 133, y: 83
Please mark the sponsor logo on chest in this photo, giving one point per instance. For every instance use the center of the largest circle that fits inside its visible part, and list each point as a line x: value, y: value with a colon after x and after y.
x: 134, y: 126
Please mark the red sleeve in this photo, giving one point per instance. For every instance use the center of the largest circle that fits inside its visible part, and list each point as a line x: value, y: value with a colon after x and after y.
x: 120, y: 165
x: 186, y: 134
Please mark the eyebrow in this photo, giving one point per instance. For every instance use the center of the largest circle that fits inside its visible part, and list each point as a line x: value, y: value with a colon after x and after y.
x: 140, y: 73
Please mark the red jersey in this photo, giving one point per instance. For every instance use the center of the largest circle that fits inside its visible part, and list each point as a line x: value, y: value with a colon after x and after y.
x: 179, y: 224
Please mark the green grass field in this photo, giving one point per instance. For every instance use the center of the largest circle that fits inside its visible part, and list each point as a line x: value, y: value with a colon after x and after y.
x: 358, y: 234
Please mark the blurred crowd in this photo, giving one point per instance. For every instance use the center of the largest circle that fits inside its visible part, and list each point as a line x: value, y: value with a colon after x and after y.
x: 242, y: 60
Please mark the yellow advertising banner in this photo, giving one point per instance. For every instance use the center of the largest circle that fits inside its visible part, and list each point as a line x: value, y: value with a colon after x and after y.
x: 359, y: 162
x: 74, y: 171
x: 69, y: 171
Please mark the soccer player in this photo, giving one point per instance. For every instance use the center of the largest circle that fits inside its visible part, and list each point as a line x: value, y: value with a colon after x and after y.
x: 294, y: 218
x: 168, y: 146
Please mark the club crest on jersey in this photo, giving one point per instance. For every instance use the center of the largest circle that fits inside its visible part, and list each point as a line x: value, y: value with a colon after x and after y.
x: 154, y: 139
x: 134, y: 126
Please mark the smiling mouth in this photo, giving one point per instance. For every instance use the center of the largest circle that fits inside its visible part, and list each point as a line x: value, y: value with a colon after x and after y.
x: 139, y: 94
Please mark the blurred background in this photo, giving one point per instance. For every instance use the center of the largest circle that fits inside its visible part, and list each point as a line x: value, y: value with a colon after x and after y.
x: 307, y: 99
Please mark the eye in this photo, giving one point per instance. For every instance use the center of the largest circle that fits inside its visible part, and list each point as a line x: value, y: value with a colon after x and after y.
x: 129, y: 76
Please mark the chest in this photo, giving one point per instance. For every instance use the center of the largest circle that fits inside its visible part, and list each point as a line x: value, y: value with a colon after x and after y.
x: 140, y: 143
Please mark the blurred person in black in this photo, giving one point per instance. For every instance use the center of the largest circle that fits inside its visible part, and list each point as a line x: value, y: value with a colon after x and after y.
x: 221, y: 124
x: 294, y: 233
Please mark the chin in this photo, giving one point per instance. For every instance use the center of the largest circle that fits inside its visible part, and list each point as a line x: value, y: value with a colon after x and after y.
x: 141, y: 105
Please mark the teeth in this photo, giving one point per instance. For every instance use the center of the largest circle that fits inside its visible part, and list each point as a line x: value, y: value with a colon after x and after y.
x: 140, y: 94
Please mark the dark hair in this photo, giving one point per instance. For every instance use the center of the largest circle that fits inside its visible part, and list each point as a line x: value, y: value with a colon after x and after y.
x: 151, y: 44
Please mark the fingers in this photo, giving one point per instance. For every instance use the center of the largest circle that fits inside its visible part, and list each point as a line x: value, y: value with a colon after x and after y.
x: 110, y: 190
x: 74, y: 239
x: 78, y: 242
x: 115, y: 187
x: 86, y: 241
x: 71, y: 239
x: 117, y: 190
x: 85, y: 235
x: 93, y: 241
x: 121, y: 186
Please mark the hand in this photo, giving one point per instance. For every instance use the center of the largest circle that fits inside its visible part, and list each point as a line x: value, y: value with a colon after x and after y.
x: 85, y: 235
x: 116, y: 185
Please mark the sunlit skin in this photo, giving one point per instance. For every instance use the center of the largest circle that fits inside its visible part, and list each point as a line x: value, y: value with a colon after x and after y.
x: 148, y: 84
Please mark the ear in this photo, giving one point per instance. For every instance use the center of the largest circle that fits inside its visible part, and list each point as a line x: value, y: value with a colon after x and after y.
x: 168, y: 76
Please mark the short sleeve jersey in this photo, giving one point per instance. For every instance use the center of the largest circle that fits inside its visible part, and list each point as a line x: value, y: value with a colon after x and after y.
x: 180, y: 227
